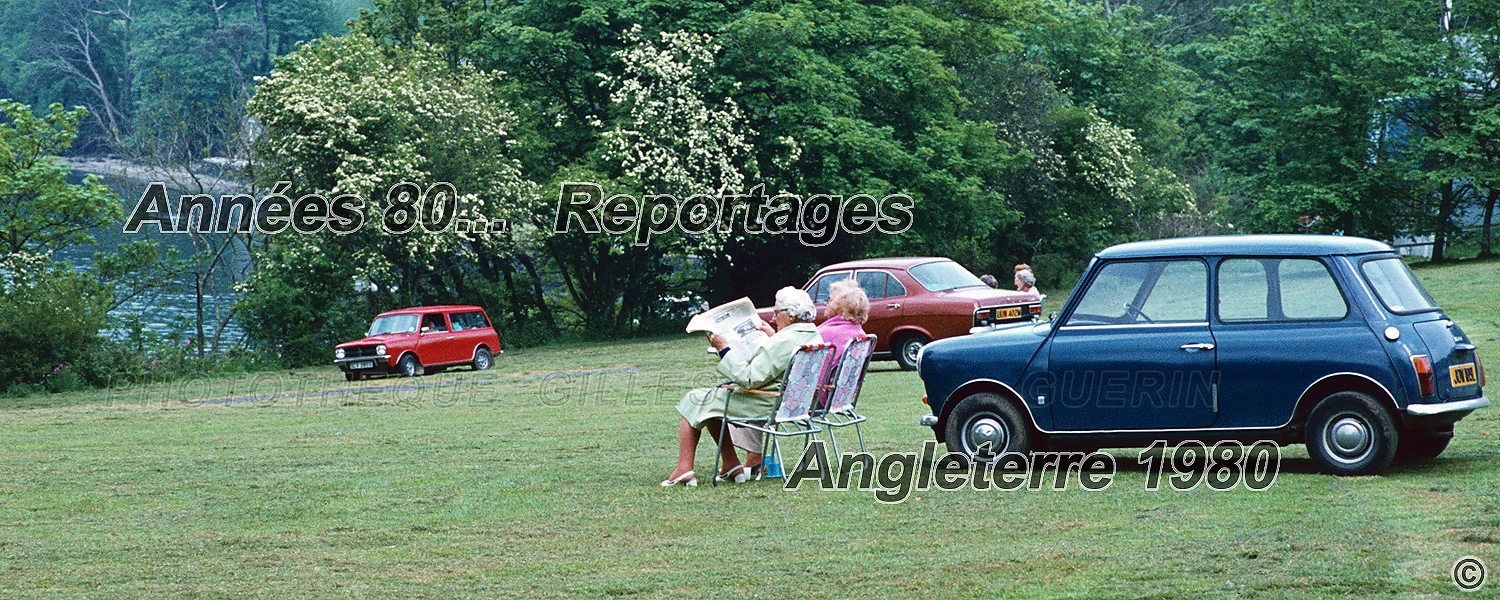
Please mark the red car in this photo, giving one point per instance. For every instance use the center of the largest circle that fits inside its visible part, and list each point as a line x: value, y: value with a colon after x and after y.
x: 411, y: 341
x: 916, y: 300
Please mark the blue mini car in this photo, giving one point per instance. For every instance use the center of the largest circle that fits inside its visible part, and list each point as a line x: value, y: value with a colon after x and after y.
x: 1324, y: 340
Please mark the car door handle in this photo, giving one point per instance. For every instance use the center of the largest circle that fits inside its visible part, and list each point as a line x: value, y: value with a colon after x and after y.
x: 1196, y: 347
x: 893, y: 306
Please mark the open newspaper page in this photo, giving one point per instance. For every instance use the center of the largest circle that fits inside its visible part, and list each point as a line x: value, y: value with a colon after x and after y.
x: 734, y: 321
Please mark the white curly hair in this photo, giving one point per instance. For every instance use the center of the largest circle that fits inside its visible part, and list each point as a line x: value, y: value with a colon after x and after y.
x: 797, y: 304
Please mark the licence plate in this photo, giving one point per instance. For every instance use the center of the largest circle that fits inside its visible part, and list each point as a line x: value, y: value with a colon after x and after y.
x: 364, y: 364
x: 1463, y: 375
x: 1009, y: 313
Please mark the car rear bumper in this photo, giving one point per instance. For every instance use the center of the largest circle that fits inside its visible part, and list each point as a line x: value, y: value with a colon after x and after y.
x: 1427, y: 410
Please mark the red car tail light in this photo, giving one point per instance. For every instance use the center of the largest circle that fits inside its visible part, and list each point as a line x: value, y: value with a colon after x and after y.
x: 1479, y: 364
x: 1423, y: 366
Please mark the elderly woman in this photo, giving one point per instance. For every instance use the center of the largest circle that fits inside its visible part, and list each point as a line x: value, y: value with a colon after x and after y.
x: 1026, y: 282
x: 704, y: 407
x: 851, y: 308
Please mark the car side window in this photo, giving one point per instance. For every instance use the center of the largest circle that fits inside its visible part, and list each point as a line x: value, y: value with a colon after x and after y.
x: 894, y: 287
x: 431, y: 323
x: 1278, y: 289
x: 873, y: 283
x: 1244, y: 290
x: 1179, y: 296
x: 1128, y: 293
x: 824, y: 285
x: 466, y: 321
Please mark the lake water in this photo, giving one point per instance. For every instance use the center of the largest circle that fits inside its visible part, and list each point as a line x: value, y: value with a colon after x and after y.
x: 174, y: 307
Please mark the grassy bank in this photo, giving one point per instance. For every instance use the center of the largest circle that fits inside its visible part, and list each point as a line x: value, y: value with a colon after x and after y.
x: 538, y: 479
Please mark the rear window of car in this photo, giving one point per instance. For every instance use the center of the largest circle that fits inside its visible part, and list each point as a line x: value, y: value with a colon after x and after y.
x: 1278, y: 289
x: 943, y: 275
x: 468, y: 320
x: 1396, y: 286
x: 879, y: 284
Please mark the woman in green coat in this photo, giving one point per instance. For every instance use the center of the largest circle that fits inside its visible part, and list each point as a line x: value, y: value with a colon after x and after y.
x: 703, y: 407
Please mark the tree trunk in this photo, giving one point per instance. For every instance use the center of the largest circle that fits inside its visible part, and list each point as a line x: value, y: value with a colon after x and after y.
x: 536, y: 291
x: 1445, y: 216
x: 1485, y: 249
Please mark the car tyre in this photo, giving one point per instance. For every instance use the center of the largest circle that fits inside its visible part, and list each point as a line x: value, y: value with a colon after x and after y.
x: 409, y: 366
x: 984, y: 426
x: 483, y: 360
x: 1349, y: 433
x: 1422, y: 444
x: 906, y: 349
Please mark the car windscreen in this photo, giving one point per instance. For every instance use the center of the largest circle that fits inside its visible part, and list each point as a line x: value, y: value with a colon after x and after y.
x: 1396, y: 286
x: 943, y: 275
x: 393, y: 324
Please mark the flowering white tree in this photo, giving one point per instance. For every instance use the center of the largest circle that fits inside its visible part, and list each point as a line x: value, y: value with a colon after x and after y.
x: 346, y: 116
x: 669, y: 137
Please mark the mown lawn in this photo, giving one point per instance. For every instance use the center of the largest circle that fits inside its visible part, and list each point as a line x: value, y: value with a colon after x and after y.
x: 538, y: 480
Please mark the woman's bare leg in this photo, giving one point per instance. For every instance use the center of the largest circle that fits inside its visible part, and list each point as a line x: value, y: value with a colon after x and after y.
x: 727, y: 457
x: 687, y: 447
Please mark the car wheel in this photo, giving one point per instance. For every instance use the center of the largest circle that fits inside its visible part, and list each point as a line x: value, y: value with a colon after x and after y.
x: 409, y: 365
x: 1422, y: 444
x: 482, y: 359
x: 1349, y: 433
x: 351, y: 375
x: 907, y: 348
x: 984, y: 426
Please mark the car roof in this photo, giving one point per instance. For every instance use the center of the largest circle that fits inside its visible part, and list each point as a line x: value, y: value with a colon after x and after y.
x: 428, y: 309
x: 1263, y: 245
x: 903, y: 262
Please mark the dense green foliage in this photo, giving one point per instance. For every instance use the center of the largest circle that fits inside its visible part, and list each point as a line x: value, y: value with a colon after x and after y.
x: 1031, y: 131
x: 136, y: 65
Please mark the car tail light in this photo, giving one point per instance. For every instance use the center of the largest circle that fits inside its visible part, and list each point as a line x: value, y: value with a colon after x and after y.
x: 1423, y: 365
x: 1479, y: 364
x: 924, y: 398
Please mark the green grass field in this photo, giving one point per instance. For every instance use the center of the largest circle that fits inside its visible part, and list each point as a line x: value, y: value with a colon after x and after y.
x: 537, y: 479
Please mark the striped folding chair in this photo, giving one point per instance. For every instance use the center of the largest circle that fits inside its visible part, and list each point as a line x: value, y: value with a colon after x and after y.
x: 845, y: 383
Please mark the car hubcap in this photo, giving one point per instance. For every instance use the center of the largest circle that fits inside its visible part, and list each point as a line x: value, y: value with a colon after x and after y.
x: 987, y: 435
x: 484, y: 361
x: 1348, y: 438
x: 913, y: 347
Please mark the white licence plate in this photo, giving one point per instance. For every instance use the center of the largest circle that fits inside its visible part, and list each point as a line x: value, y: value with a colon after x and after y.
x: 364, y: 364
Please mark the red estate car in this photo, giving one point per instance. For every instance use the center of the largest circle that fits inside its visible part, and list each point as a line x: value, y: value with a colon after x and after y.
x: 916, y: 300
x: 412, y: 340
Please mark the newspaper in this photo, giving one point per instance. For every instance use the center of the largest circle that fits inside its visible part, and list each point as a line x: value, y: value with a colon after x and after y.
x: 736, y: 323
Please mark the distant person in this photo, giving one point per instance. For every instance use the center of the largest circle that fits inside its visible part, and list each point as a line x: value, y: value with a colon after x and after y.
x: 990, y: 280
x: 1026, y: 282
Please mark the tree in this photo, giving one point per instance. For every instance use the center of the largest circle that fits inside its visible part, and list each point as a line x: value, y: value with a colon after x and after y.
x: 39, y: 210
x: 1300, y: 91
x: 50, y: 314
x: 390, y: 136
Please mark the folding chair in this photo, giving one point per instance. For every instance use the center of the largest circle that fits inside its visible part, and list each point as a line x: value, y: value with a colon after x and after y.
x: 791, y: 412
x: 846, y: 382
